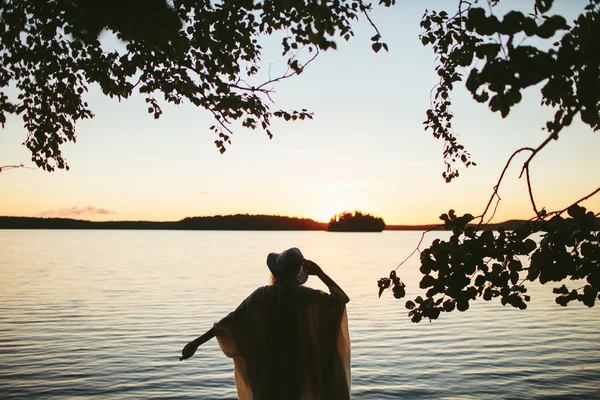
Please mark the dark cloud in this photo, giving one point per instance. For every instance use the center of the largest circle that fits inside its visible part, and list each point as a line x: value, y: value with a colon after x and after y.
x: 75, y: 211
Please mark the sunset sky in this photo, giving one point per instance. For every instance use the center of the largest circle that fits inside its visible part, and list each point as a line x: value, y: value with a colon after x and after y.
x: 365, y: 149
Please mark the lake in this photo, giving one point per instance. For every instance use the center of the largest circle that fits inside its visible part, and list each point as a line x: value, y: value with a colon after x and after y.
x: 105, y: 314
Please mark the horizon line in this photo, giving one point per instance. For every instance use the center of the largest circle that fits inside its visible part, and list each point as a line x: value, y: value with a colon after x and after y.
x: 428, y: 225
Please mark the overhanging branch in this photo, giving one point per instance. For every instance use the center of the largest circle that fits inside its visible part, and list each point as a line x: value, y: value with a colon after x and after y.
x: 6, y: 167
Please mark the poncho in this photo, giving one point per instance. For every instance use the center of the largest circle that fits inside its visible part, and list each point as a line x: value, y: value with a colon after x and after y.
x: 288, y: 342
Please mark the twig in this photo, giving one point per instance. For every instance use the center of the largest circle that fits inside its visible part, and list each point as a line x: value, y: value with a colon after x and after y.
x: 574, y: 204
x: 460, y: 10
x: 497, y: 187
x: 530, y: 192
x: 431, y: 99
x: 219, y: 117
x: 499, y: 36
x: 364, y: 10
x: 552, y: 136
x: 495, y: 208
x: 525, y: 228
x: 287, y: 75
x: 418, y: 245
x: 534, y: 152
x: 5, y: 167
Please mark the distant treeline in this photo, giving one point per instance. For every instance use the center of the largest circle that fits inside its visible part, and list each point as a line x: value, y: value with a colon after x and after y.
x: 248, y: 222
x: 219, y: 222
x: 508, y: 225
x: 238, y: 222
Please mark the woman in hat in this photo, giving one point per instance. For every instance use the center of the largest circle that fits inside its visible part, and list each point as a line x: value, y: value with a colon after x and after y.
x: 287, y: 341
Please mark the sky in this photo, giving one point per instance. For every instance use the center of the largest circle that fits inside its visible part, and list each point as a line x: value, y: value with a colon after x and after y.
x: 365, y: 149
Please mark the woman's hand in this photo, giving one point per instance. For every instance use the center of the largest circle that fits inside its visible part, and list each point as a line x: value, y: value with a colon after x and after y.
x: 188, y: 350
x: 311, y: 267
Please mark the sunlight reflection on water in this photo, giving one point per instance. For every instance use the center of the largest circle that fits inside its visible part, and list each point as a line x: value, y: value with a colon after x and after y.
x: 106, y: 313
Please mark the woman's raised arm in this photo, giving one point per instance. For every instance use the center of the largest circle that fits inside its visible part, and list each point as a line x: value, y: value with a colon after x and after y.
x: 313, y: 268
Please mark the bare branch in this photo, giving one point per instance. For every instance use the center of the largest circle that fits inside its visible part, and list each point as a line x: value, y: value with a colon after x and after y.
x: 287, y: 75
x: 495, y: 209
x: 553, y: 136
x: 370, y: 21
x: 530, y: 192
x: 5, y: 167
x: 497, y: 187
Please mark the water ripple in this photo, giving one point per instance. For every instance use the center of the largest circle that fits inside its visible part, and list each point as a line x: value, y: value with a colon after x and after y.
x: 105, y: 314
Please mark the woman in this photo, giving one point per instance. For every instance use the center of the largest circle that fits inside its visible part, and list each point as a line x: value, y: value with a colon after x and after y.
x: 287, y: 341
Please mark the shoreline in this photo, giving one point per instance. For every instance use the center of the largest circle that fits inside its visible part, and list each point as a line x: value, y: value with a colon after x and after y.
x: 237, y: 222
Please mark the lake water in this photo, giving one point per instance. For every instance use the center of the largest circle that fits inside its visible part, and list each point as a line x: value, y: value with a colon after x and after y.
x: 105, y: 314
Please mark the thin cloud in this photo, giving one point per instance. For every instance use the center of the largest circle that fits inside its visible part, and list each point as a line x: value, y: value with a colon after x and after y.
x: 202, y: 192
x: 74, y: 211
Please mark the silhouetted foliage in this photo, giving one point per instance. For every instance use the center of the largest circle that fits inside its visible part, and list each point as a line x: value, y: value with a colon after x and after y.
x: 501, y: 65
x: 206, y: 53
x: 238, y: 222
x: 490, y: 264
x: 478, y: 262
x: 355, y: 222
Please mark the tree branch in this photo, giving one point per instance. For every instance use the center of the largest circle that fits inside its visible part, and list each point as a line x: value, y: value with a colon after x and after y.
x: 371, y: 21
x: 577, y: 202
x: 287, y: 75
x: 495, y: 209
x: 498, y: 33
x: 5, y: 167
x: 552, y: 136
x: 418, y: 245
x: 497, y: 187
x: 530, y: 192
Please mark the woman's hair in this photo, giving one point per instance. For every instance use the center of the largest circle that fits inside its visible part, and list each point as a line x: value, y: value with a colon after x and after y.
x: 272, y: 279
x: 283, y: 360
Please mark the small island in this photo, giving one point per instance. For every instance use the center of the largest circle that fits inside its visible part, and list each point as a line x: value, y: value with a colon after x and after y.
x: 355, y: 222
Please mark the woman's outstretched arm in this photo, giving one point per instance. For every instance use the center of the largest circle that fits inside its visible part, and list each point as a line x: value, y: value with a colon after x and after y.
x: 313, y: 269
x: 192, y: 346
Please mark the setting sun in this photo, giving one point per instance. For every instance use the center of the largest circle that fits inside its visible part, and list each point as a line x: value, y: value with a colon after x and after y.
x: 335, y: 203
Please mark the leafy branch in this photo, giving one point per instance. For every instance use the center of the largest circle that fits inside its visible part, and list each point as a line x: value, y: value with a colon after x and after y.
x: 458, y: 269
x: 183, y: 51
x: 498, y: 70
x: 476, y: 262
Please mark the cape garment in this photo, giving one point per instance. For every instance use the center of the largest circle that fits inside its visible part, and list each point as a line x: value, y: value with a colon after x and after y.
x: 289, y: 342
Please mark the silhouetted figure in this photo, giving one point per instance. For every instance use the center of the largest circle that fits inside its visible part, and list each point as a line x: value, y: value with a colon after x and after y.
x: 287, y: 341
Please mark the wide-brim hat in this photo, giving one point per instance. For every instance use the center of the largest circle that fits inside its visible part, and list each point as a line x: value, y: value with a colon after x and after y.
x: 287, y: 265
